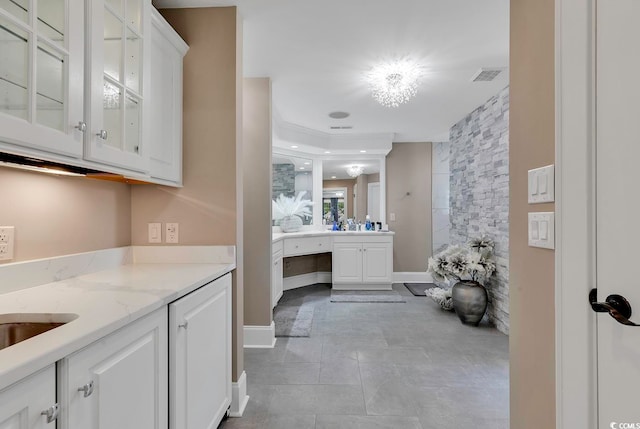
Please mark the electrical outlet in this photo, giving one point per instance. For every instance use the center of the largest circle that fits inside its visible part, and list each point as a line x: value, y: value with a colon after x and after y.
x: 6, y: 242
x: 171, y: 233
x: 155, y: 233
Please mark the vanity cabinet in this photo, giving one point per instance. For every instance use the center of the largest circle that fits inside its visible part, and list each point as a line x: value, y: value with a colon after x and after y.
x: 167, y: 52
x: 362, y: 262
x: 200, y: 356
x: 41, y: 77
x: 30, y: 403
x: 277, y: 280
x: 119, y: 381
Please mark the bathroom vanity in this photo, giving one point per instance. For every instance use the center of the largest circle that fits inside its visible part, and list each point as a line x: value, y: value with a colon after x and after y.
x: 360, y: 260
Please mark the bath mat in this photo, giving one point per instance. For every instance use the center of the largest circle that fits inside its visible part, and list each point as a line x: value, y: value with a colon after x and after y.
x: 366, y: 296
x: 293, y: 321
x: 418, y: 288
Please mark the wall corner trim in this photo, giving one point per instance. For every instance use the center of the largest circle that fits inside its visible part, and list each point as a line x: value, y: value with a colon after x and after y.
x: 239, y: 398
x: 260, y: 337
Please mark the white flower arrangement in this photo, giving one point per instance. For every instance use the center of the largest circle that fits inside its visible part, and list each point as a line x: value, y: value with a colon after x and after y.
x: 473, y: 262
x: 441, y: 296
x: 288, y: 206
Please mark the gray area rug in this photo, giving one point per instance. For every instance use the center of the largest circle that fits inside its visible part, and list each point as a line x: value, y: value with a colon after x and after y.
x: 366, y: 296
x: 293, y: 321
x: 418, y: 289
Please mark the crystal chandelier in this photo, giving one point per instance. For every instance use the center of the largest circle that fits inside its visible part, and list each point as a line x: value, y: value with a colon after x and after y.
x: 394, y: 83
x: 355, y: 170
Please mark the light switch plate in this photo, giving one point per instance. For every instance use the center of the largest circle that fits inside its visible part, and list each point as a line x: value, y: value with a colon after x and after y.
x: 155, y: 232
x: 542, y: 230
x: 541, y: 185
x: 6, y: 242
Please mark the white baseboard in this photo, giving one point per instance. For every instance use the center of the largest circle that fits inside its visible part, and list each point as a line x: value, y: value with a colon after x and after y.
x: 358, y: 286
x: 260, y: 337
x: 412, y: 277
x: 239, y: 396
x: 295, y: 282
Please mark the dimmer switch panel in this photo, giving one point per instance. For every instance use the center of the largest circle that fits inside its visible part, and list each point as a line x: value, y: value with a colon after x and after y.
x: 541, y: 185
x: 542, y: 230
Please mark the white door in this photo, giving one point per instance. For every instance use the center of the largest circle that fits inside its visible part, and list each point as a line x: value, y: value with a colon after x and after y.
x: 200, y: 356
x: 618, y: 208
x: 377, y: 263
x: 346, y: 260
x: 119, y: 381
x: 373, y: 201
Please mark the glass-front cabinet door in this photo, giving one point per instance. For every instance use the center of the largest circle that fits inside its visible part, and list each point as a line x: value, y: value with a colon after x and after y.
x: 42, y: 75
x: 118, y: 83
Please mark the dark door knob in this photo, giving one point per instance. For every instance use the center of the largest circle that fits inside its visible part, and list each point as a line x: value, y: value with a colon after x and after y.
x: 616, y: 305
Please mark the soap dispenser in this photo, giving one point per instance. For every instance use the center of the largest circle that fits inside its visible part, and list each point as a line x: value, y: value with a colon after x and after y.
x: 367, y: 223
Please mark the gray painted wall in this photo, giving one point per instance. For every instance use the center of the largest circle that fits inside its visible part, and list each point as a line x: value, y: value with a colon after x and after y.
x: 479, y: 191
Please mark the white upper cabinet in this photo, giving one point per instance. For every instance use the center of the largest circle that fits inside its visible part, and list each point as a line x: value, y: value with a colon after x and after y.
x: 167, y: 51
x: 119, y: 75
x: 41, y: 76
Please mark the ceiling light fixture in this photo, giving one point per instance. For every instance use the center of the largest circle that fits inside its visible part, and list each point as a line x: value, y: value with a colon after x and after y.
x: 355, y: 170
x: 393, y: 83
x: 333, y: 177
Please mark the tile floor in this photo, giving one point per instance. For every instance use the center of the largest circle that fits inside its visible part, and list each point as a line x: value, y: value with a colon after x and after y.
x: 378, y: 365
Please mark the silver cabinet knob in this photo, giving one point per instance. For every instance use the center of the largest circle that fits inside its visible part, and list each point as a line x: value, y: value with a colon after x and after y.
x: 51, y: 413
x: 87, y: 389
x: 185, y: 325
x: 82, y: 126
x: 102, y: 134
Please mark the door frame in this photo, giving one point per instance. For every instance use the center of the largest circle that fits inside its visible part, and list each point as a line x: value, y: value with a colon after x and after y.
x: 576, y: 359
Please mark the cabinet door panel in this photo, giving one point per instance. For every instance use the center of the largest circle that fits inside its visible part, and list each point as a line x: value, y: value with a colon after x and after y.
x: 21, y: 404
x: 347, y: 263
x: 129, y: 374
x: 377, y: 263
x: 200, y: 356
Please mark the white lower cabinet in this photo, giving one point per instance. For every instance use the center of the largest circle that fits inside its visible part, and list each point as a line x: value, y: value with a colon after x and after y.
x: 200, y: 356
x: 30, y: 403
x: 362, y: 263
x: 119, y: 381
x: 277, y: 282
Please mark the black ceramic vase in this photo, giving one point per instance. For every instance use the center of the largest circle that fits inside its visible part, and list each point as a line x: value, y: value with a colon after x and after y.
x: 469, y: 301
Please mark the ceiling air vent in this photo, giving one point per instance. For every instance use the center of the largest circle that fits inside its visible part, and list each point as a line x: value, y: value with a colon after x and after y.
x: 486, y: 74
x: 341, y: 127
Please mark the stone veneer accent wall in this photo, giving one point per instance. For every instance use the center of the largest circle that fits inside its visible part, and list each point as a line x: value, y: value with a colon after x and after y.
x: 284, y: 180
x: 479, y: 197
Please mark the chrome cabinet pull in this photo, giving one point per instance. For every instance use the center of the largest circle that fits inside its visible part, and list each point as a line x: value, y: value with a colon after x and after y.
x: 185, y: 325
x: 51, y: 413
x: 82, y: 126
x: 87, y: 389
x: 102, y: 134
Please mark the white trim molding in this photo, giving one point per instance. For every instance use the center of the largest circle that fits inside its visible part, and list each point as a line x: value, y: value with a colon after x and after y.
x: 260, y: 337
x: 412, y: 277
x: 309, y: 279
x: 239, y: 398
x: 576, y: 354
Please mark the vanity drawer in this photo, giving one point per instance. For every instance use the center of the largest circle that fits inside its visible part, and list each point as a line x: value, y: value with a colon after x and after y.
x: 306, y: 245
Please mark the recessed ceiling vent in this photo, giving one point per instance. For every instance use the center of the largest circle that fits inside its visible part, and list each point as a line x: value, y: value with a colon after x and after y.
x: 339, y: 115
x: 486, y: 74
x: 342, y: 127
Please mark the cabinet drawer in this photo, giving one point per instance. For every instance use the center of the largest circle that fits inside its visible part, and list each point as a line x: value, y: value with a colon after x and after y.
x: 306, y: 245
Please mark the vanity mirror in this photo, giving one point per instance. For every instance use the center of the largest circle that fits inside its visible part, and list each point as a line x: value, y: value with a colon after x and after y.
x: 358, y: 180
x: 292, y: 175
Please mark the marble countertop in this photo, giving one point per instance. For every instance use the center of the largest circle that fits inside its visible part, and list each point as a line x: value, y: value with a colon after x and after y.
x: 103, y: 301
x: 277, y: 236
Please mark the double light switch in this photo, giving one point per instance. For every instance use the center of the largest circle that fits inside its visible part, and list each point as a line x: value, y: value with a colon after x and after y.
x: 541, y: 185
x: 542, y: 230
